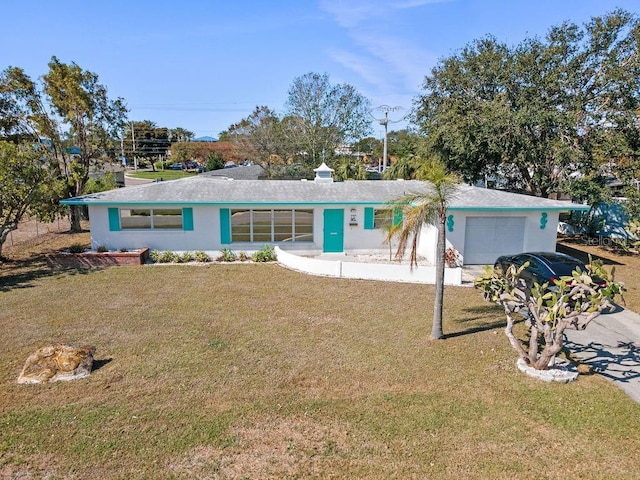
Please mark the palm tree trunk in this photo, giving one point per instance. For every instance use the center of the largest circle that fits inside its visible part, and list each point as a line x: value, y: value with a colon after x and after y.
x: 436, y: 329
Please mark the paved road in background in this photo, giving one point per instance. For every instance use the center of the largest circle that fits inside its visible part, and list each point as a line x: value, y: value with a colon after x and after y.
x: 130, y: 181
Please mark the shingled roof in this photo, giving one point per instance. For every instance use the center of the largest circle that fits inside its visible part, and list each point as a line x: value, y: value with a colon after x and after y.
x: 212, y: 190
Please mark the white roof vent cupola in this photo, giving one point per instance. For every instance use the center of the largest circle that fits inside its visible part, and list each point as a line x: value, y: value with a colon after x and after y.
x: 324, y: 174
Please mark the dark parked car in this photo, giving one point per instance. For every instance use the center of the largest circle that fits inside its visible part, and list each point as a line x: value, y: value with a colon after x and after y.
x: 195, y: 167
x: 543, y: 266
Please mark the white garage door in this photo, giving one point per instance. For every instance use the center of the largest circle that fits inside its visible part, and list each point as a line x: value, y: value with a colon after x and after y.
x: 486, y: 238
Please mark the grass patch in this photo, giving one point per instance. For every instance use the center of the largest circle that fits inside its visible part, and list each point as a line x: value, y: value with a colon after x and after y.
x: 161, y: 174
x: 254, y: 371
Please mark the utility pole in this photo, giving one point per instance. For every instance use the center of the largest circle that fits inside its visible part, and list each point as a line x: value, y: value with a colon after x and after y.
x: 385, y: 122
x: 133, y: 140
x: 123, y: 160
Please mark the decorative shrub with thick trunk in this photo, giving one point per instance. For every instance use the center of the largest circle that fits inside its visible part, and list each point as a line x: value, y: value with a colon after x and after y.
x: 548, y: 310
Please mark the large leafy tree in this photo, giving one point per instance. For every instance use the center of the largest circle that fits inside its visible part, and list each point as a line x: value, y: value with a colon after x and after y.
x: 262, y: 136
x: 146, y: 140
x: 202, y: 151
x: 419, y: 210
x: 535, y: 113
x: 71, y: 113
x: 25, y: 186
x: 324, y: 116
x: 371, y: 149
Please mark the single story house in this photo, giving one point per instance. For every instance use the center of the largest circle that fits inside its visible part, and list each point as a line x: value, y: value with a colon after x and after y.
x: 208, y: 213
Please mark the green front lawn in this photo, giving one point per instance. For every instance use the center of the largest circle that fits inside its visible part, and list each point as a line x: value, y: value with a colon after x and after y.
x: 161, y: 174
x: 255, y: 371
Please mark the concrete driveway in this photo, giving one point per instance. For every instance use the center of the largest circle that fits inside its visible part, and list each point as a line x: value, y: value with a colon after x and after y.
x: 610, y: 345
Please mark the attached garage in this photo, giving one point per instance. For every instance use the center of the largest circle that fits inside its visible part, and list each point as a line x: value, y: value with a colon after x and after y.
x: 486, y: 238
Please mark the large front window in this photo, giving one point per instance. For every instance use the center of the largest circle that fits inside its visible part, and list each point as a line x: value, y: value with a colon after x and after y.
x: 271, y: 225
x: 151, y: 218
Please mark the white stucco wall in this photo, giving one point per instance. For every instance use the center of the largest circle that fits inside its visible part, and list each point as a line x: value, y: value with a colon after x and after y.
x: 205, y: 235
x: 356, y: 237
x: 535, y: 238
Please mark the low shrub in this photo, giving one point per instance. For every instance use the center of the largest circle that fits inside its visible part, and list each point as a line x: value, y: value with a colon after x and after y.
x: 226, y: 255
x: 168, y: 257
x: 185, y: 257
x: 201, y: 257
x: 76, y: 248
x: 102, y: 249
x: 265, y: 254
x: 163, y: 256
x: 243, y: 256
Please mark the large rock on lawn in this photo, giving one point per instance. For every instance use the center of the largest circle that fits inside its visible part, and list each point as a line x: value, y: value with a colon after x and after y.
x: 57, y: 362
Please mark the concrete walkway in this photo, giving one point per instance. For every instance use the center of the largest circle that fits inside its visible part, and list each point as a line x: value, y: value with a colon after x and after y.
x: 611, y: 346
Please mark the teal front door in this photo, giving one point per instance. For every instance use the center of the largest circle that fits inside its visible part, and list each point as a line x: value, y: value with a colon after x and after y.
x: 333, y: 230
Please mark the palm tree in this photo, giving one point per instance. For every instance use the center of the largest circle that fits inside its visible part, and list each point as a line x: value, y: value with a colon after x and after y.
x: 428, y: 208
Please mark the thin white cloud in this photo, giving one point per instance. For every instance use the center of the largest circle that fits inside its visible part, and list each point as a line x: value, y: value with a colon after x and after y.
x: 408, y: 62
x: 364, y: 66
x: 415, y: 3
x: 351, y: 13
x: 380, y: 55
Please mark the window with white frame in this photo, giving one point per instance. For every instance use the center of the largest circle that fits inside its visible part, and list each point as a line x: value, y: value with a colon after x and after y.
x: 382, y: 218
x: 151, y: 218
x: 271, y: 225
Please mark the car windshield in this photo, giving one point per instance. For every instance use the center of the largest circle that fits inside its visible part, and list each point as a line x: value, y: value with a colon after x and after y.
x: 562, y: 265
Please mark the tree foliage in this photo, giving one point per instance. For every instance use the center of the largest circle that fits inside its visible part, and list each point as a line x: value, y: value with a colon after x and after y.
x: 146, y: 140
x: 325, y: 116
x: 262, y: 137
x: 70, y: 112
x: 346, y: 169
x: 320, y: 117
x: 202, y: 151
x: 26, y: 186
x: 573, y: 302
x: 180, y: 134
x: 214, y: 161
x: 533, y: 114
x: 371, y: 147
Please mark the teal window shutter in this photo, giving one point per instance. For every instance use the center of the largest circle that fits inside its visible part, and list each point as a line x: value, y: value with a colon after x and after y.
x: 114, y: 220
x: 368, y: 218
x: 187, y: 218
x: 397, y: 216
x: 225, y: 226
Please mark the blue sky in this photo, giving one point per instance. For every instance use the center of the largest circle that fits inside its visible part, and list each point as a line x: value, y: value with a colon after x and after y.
x: 204, y: 65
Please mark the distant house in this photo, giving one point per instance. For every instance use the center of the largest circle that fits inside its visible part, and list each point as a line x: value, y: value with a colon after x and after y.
x: 210, y: 213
